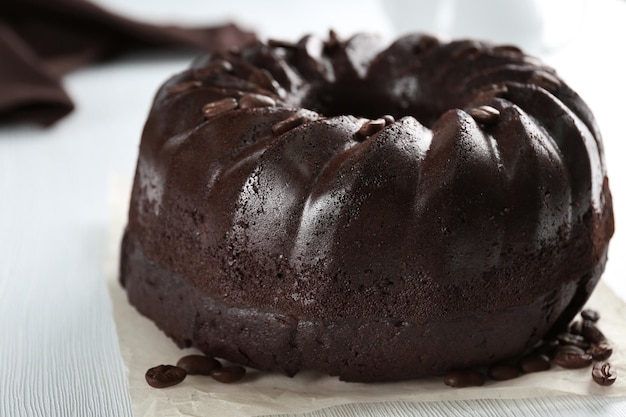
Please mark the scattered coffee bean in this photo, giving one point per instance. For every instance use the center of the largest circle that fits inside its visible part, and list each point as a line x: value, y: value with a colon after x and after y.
x: 600, y: 351
x: 503, y: 372
x: 589, y: 314
x: 460, y: 378
x: 371, y: 127
x: 198, y: 364
x: 255, y: 100
x: 591, y: 332
x: 534, y: 363
x: 572, y: 340
x: 164, y: 376
x: 572, y: 357
x: 228, y: 374
x: 486, y: 115
x: 603, y: 374
x: 217, y: 107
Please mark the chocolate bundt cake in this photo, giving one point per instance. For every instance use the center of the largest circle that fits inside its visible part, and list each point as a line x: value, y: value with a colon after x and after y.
x: 368, y: 211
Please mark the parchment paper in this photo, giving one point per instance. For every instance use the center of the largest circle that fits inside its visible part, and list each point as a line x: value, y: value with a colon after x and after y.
x: 144, y: 346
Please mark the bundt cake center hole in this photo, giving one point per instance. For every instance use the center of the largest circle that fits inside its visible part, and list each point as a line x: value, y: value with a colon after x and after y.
x: 363, y: 100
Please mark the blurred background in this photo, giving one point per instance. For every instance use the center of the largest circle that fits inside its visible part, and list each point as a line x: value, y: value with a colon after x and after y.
x: 54, y: 181
x: 539, y: 26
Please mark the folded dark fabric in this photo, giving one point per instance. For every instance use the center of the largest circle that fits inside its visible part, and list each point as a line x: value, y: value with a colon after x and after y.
x: 41, y: 40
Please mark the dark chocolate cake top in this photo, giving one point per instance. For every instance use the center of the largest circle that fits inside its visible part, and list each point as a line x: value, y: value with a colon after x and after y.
x: 338, y: 179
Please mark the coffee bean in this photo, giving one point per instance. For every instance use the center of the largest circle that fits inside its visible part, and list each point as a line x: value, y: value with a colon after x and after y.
x: 217, y: 107
x: 372, y: 126
x: 389, y: 119
x: 600, y: 351
x: 164, y: 376
x: 228, y: 374
x: 294, y: 121
x: 460, y: 378
x: 534, y: 363
x: 503, y: 372
x: 255, y: 100
x: 198, y: 364
x: 486, y: 115
x: 589, y: 314
x: 572, y: 357
x: 591, y: 332
x: 604, y: 374
x: 570, y: 349
x: 572, y: 340
x: 289, y: 123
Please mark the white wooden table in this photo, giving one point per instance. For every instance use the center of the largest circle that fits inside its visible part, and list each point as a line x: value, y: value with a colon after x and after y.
x: 58, y: 346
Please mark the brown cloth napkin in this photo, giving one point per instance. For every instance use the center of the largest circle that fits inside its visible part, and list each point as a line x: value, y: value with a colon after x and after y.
x: 41, y: 40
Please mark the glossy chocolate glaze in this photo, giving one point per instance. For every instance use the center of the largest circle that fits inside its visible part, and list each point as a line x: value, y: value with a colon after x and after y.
x: 273, y: 224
